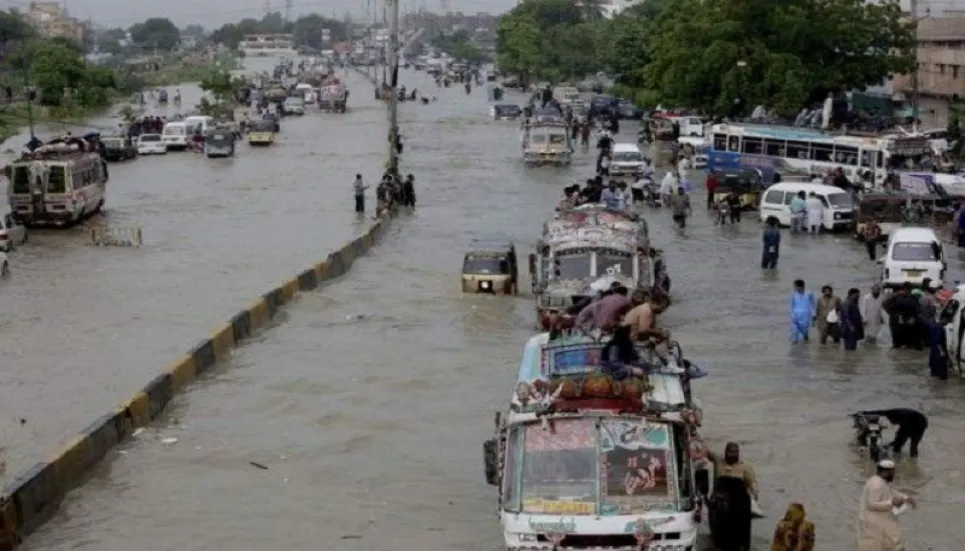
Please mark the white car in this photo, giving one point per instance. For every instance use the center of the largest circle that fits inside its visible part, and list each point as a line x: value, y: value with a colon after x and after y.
x: 4, y: 265
x: 294, y: 106
x: 151, y: 144
x: 175, y: 136
x: 12, y: 232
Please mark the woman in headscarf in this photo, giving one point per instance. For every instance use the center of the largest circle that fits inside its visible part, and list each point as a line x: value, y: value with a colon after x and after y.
x: 794, y: 532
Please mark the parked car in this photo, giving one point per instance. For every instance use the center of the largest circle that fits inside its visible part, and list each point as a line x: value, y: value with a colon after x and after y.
x: 12, y: 232
x: 151, y: 144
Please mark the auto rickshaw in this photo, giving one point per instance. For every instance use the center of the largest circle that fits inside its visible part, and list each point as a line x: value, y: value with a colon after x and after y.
x: 660, y: 129
x: 261, y: 133
x: 219, y: 142
x: 490, y: 267
x: 888, y: 209
x: 275, y: 121
x: 748, y: 183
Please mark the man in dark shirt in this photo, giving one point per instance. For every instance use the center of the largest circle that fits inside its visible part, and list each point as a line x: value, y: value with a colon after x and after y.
x: 911, y: 427
x: 903, y: 318
x: 772, y: 245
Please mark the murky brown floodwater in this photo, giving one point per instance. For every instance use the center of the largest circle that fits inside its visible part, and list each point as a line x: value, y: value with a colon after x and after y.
x: 82, y: 328
x: 370, y: 404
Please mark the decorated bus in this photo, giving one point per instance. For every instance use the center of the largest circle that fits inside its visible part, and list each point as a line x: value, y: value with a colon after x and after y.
x: 585, y: 250
x: 584, y: 461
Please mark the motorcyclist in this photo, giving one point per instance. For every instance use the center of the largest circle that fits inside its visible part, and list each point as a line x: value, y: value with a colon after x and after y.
x: 911, y: 427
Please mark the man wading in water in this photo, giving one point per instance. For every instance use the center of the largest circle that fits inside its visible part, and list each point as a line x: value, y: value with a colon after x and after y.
x: 359, y: 187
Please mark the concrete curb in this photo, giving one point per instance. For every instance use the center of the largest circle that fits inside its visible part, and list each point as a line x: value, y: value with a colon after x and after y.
x: 33, y: 497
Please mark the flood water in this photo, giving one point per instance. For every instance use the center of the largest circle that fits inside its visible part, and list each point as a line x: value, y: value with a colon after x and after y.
x: 82, y: 328
x: 369, y: 404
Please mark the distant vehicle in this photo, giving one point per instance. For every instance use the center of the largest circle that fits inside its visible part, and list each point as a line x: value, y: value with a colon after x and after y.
x: 628, y: 110
x: 12, y: 232
x: 175, y: 136
x: 219, y: 142
x: 151, y: 144
x: 505, y: 112
x: 118, y: 148
x: 294, y: 106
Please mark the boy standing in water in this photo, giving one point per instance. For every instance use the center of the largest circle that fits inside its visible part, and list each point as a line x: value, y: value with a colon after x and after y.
x: 802, y: 309
x: 772, y: 245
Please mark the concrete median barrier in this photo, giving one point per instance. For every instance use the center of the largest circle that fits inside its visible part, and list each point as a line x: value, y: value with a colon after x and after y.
x: 32, y: 498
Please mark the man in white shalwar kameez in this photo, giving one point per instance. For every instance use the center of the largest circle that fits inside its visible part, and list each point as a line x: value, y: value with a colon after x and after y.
x: 815, y: 209
x: 871, y: 312
x: 878, y: 528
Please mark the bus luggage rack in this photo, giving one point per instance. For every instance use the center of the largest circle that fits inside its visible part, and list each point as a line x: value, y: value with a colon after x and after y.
x: 113, y: 236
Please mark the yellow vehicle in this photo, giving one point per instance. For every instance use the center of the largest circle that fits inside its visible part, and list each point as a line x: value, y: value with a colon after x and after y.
x: 747, y: 183
x: 490, y: 267
x: 261, y: 133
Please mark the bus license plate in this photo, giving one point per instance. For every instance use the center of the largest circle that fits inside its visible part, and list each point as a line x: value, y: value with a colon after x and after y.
x: 912, y: 273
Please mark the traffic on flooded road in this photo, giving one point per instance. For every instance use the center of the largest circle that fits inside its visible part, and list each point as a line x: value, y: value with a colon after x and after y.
x: 358, y: 423
x: 81, y: 326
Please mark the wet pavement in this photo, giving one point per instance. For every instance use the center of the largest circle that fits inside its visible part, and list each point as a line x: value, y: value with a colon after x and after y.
x: 82, y: 328
x: 369, y: 405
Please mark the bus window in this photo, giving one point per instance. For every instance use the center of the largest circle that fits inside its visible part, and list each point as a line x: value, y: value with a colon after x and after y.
x: 798, y: 150
x: 774, y: 148
x: 879, y: 157
x: 846, y: 155
x: 57, y: 179
x: 21, y: 180
x: 753, y: 146
x: 867, y: 159
x: 720, y: 142
x: 822, y: 152
x: 734, y: 144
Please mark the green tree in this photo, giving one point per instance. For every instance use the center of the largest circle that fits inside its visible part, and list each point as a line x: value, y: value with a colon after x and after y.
x: 308, y: 30
x: 56, y: 68
x: 109, y: 41
x: 156, y: 33
x: 13, y: 28
x: 195, y: 31
x: 519, y: 46
x: 220, y: 85
x: 552, y: 13
x: 781, y: 55
x: 228, y: 35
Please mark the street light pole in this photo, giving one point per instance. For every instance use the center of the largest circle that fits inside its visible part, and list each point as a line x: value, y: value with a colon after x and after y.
x: 914, y: 75
x: 393, y: 62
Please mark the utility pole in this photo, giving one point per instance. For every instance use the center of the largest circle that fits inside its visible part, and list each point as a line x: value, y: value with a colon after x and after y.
x: 288, y: 11
x: 28, y: 90
x: 914, y: 75
x: 394, y: 100
x: 385, y: 49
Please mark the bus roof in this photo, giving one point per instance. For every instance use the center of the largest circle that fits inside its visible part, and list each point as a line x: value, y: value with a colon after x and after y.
x: 577, y: 355
x: 795, y: 133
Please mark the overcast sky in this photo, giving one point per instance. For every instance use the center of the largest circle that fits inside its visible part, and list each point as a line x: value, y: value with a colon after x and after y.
x: 213, y: 13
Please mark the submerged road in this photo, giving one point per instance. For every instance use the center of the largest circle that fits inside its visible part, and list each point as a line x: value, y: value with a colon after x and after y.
x: 81, y: 327
x: 369, y: 406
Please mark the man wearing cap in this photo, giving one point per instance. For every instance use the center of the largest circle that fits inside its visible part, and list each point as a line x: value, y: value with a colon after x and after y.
x: 878, y: 528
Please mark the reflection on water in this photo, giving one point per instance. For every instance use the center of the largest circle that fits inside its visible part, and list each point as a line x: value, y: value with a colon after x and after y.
x: 369, y: 406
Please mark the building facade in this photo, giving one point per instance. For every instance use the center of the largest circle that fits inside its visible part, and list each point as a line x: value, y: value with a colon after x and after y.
x: 941, y: 69
x: 51, y: 20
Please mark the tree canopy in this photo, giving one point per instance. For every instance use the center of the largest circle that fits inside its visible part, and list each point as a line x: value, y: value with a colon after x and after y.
x: 706, y: 55
x: 307, y: 29
x: 459, y: 45
x: 156, y: 33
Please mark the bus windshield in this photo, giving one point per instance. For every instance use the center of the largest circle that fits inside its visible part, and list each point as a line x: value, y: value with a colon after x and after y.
x: 21, y: 180
x: 585, y: 466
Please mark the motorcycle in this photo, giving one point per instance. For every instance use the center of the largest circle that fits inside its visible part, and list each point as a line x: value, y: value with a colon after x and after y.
x: 868, y: 434
x: 650, y: 196
x: 723, y: 212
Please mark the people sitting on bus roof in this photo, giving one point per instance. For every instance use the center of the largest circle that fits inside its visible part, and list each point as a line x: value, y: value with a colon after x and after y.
x: 605, y: 313
x: 619, y: 357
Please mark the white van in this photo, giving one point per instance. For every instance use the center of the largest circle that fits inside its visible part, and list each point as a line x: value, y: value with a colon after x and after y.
x: 912, y: 254
x: 175, y: 136
x: 192, y: 123
x: 627, y: 160
x: 838, y: 204
x: 690, y: 126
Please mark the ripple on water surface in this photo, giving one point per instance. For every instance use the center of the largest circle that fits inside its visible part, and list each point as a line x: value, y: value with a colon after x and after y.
x: 370, y: 404
x: 82, y: 327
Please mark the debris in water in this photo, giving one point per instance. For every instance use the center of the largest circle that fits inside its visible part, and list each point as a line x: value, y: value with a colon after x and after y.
x: 259, y: 465
x: 351, y: 536
x: 137, y: 432
x: 23, y: 421
x: 169, y: 441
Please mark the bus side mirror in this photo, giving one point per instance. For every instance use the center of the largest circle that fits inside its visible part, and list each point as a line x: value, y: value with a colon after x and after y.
x: 491, y: 462
x: 532, y: 264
